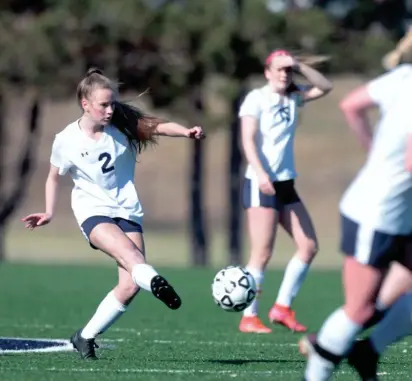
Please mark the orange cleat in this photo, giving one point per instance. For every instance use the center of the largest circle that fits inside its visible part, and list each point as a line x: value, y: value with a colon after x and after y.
x: 252, y: 324
x: 286, y: 317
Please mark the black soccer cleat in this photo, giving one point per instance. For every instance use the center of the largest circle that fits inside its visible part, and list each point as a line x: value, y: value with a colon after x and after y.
x: 85, y: 347
x: 364, y: 359
x: 162, y: 290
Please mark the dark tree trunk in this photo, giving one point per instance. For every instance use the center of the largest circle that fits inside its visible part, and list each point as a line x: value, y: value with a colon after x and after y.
x: 198, y: 220
x: 2, y: 169
x: 9, y: 203
x: 2, y: 242
x: 235, y: 186
x: 197, y: 225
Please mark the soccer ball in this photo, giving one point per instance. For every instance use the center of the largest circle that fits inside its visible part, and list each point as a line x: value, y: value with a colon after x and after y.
x: 233, y: 288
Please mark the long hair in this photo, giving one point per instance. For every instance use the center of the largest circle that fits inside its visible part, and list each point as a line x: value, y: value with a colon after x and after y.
x: 138, y: 127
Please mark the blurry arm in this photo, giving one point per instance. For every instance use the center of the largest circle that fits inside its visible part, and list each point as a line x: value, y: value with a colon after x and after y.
x: 51, y: 190
x: 171, y: 129
x: 354, y: 107
x: 320, y: 84
x: 177, y: 130
x: 249, y: 126
x: 35, y: 220
x: 249, y: 115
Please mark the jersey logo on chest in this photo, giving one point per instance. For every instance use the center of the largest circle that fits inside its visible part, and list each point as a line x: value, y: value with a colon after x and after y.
x: 281, y: 115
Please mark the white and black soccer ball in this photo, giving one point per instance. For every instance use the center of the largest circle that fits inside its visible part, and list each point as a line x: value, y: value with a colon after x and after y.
x: 233, y: 288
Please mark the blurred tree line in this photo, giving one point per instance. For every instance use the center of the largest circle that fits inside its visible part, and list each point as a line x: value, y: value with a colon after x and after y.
x: 173, y: 47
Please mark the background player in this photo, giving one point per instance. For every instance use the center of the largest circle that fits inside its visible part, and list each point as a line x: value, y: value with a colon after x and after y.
x: 269, y: 116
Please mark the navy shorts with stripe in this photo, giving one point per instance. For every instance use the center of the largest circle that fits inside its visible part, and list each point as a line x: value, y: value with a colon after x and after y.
x: 126, y: 226
x: 285, y: 195
x: 372, y: 247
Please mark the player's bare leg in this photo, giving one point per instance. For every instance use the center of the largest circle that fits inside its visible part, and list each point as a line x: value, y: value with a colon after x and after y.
x: 397, y: 282
x: 160, y: 288
x: 115, y: 303
x: 296, y: 221
x: 111, y: 239
x: 395, y: 325
x: 340, y: 330
x: 262, y: 226
x: 108, y: 312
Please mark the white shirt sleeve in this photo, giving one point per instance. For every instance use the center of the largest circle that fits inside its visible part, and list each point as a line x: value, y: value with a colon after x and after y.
x: 251, y: 105
x: 383, y: 89
x: 57, y: 157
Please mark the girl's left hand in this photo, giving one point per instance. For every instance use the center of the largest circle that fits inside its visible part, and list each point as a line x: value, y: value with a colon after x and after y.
x: 196, y: 133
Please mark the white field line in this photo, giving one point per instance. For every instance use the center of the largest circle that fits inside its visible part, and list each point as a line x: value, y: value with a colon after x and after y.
x: 62, y: 348
x: 200, y: 342
x: 146, y: 332
x: 134, y: 331
x: 231, y: 373
x: 65, y: 345
x: 404, y: 345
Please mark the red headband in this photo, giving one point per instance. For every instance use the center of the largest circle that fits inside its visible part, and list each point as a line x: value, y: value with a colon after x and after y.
x: 276, y: 53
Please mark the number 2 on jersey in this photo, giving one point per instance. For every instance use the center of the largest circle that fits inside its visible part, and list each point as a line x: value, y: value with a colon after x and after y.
x: 106, y: 157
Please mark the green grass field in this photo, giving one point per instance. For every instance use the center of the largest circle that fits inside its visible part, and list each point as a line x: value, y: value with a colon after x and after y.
x: 153, y: 343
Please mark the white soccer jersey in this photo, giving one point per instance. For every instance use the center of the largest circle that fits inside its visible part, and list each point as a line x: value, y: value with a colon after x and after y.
x: 380, y: 197
x: 102, y: 172
x: 277, y: 117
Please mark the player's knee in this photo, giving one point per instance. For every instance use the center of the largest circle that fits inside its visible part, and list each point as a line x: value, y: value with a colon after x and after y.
x: 260, y: 257
x: 129, y: 256
x: 127, y: 290
x: 308, y: 250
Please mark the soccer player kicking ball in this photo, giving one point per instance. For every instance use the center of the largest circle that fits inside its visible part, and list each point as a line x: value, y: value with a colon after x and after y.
x: 99, y: 152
